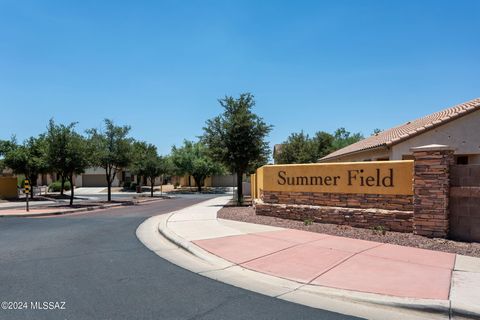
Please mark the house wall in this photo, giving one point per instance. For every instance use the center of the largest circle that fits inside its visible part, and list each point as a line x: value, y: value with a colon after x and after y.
x: 96, y: 171
x: 368, y: 155
x: 228, y: 180
x: 45, y: 179
x: 461, y: 134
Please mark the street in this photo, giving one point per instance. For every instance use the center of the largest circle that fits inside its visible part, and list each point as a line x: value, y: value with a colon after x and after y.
x: 94, y: 264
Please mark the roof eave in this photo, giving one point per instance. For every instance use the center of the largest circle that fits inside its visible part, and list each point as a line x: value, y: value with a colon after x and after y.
x: 430, y: 127
x: 382, y: 146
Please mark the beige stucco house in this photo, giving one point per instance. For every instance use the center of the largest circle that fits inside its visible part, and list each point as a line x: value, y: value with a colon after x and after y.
x: 457, y: 126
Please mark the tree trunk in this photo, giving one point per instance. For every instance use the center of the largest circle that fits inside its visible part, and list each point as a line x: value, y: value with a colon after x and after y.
x: 239, y: 187
x: 72, y: 190
x: 108, y: 175
x: 152, y: 183
x: 198, y: 181
x: 161, y: 186
x: 109, y: 187
x: 63, y: 185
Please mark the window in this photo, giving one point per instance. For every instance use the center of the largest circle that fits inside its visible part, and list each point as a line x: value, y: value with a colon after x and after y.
x: 461, y: 159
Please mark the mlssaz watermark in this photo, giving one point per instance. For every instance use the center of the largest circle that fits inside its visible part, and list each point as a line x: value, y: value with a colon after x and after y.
x: 33, y: 305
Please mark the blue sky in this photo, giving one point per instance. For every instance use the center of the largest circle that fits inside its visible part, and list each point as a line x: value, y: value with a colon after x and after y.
x: 160, y: 66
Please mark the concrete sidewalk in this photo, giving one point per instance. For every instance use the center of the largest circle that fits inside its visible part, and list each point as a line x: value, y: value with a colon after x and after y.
x: 318, y: 270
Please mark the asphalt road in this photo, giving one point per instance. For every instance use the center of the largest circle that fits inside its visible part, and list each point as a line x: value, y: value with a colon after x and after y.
x: 94, y: 263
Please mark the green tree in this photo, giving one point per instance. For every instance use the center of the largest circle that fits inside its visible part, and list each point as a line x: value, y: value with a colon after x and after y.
x: 193, y: 159
x: 322, y: 142
x: 236, y: 137
x: 343, y: 138
x: 28, y: 159
x: 6, y: 146
x: 140, y: 151
x: 66, y: 152
x: 300, y: 148
x: 376, y: 131
x: 111, y: 150
x: 147, y: 163
x: 156, y: 166
x: 182, y: 159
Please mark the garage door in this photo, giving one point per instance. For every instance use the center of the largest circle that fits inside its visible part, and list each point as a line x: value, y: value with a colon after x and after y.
x: 94, y: 180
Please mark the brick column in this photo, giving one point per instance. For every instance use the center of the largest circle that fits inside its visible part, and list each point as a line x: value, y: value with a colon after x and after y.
x: 431, y: 190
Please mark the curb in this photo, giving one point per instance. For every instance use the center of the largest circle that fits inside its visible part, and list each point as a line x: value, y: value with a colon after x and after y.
x: 189, y: 246
x: 419, y: 307
x: 57, y: 213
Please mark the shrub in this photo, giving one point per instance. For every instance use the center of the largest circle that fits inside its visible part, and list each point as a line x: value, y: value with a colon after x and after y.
x: 57, y: 185
x: 127, y: 184
x: 308, y: 221
x: 133, y: 186
x: 380, y: 230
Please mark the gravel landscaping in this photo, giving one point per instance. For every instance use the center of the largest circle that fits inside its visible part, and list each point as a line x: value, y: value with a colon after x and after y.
x: 247, y: 214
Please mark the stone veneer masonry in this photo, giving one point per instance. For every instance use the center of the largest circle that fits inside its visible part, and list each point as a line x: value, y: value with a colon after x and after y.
x: 432, y: 190
x: 393, y: 212
x: 394, y: 220
x: 350, y: 200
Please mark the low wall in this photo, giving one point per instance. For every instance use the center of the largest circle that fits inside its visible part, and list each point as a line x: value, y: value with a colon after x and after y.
x: 8, y: 187
x: 394, y: 220
x: 350, y: 200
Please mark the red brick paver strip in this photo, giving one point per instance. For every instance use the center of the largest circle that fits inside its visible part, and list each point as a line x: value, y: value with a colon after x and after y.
x: 339, y: 262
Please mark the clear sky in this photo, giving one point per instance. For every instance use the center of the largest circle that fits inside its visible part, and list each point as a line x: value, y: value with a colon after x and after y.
x: 160, y: 66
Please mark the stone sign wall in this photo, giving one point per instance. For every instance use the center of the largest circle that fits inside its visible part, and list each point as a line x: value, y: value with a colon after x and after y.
x: 404, y: 196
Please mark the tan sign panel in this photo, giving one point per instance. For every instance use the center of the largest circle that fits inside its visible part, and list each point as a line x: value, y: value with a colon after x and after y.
x: 376, y: 177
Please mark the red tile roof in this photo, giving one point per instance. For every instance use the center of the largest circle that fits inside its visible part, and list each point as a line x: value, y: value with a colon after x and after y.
x: 403, y: 132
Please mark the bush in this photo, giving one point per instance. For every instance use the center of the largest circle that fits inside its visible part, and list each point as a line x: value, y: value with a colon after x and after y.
x: 57, y: 185
x: 127, y: 185
x: 133, y: 186
x: 380, y: 230
x: 308, y: 221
